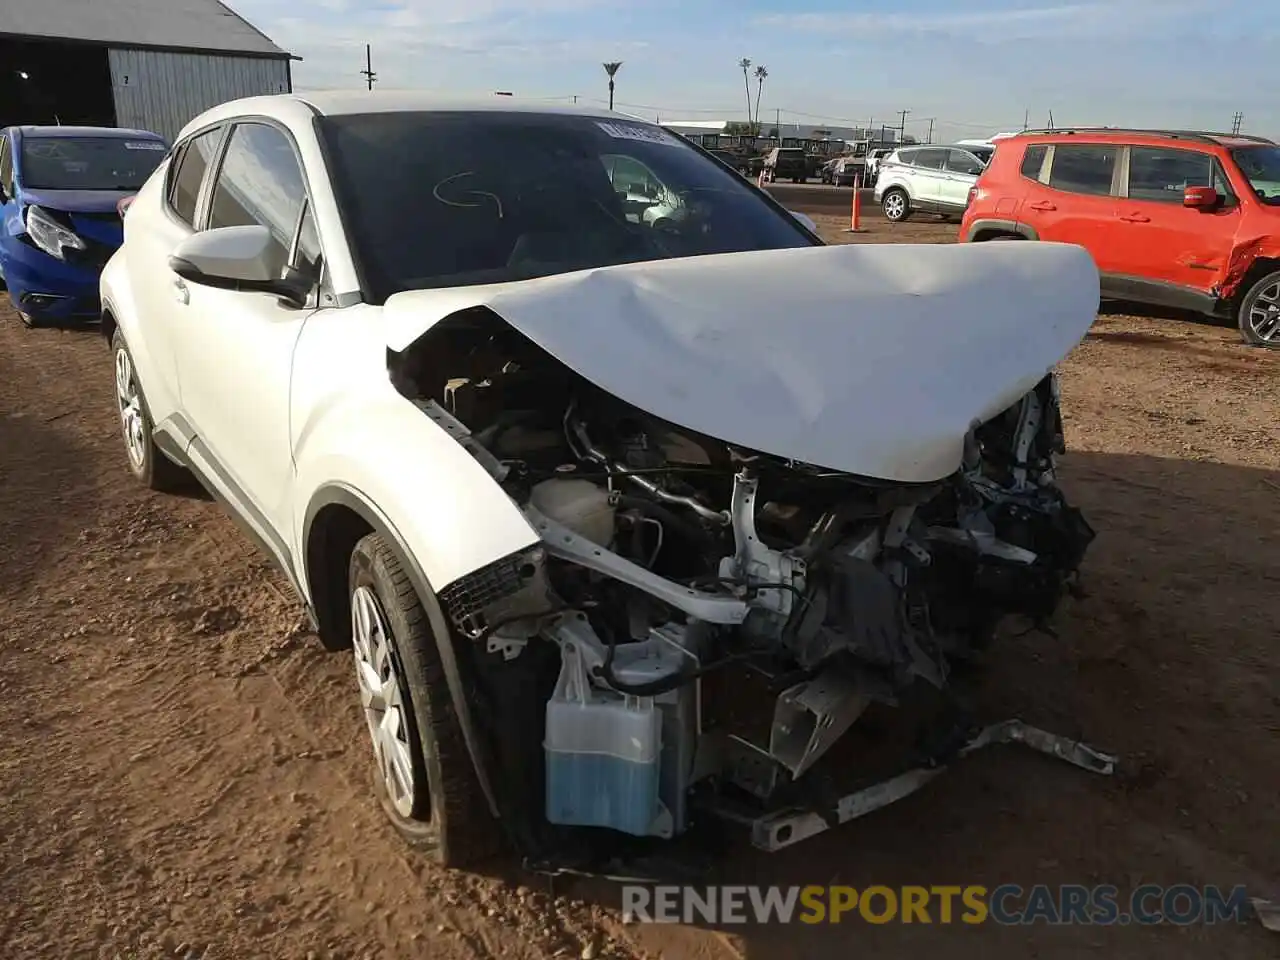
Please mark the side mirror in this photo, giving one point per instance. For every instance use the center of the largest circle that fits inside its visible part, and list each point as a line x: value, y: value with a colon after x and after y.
x: 804, y: 221
x: 245, y: 259
x: 1202, y: 198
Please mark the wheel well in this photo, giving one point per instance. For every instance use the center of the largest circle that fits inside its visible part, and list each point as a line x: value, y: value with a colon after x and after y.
x: 996, y: 233
x: 334, y: 533
x: 1257, y: 270
x: 108, y: 324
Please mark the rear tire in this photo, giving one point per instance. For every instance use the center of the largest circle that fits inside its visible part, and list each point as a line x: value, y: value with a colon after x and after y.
x: 146, y: 461
x: 443, y: 813
x: 896, y: 205
x: 1258, y: 315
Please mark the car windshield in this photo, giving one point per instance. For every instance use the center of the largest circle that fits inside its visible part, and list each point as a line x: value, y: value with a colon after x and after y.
x: 88, y: 163
x: 455, y: 199
x: 1261, y: 166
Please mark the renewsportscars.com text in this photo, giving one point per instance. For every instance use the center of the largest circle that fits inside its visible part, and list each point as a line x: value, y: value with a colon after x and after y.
x: 1007, y: 904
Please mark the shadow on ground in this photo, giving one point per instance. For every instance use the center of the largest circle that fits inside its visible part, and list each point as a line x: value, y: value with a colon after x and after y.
x: 1110, y: 308
x: 1170, y: 660
x: 46, y: 494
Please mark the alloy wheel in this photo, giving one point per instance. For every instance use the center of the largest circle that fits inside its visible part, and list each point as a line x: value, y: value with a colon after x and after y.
x: 1264, y: 314
x: 894, y: 206
x: 382, y: 696
x: 129, y: 404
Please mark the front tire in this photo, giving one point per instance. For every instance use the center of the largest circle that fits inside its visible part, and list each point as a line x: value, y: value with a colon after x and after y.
x: 425, y: 781
x: 896, y: 205
x: 146, y: 462
x: 1258, y: 316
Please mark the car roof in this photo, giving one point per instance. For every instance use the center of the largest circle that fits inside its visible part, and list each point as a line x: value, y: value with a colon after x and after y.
x: 1124, y: 135
x: 49, y: 132
x: 294, y: 107
x: 342, y: 102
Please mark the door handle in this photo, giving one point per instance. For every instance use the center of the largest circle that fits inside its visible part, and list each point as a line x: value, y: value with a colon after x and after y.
x: 181, y: 293
x: 1135, y: 218
x: 1042, y: 205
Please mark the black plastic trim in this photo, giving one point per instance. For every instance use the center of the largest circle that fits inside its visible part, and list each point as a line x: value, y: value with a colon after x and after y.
x: 1161, y: 293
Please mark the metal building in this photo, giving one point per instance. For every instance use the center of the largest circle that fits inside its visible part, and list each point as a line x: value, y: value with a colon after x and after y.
x: 149, y: 64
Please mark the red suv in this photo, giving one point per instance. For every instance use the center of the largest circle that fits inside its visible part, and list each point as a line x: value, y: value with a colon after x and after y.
x: 1174, y: 218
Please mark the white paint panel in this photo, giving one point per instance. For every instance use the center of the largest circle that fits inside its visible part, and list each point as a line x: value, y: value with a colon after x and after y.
x: 161, y: 90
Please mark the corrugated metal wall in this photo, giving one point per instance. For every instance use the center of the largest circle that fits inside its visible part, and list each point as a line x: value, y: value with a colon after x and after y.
x: 161, y: 91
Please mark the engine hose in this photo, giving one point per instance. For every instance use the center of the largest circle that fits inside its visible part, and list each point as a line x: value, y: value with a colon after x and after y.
x: 667, y: 517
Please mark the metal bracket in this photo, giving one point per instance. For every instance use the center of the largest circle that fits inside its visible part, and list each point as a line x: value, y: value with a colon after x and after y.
x: 458, y: 430
x: 754, y: 562
x: 774, y: 831
x: 562, y: 542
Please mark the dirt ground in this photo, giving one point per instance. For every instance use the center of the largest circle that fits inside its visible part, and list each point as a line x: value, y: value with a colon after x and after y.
x: 185, y: 773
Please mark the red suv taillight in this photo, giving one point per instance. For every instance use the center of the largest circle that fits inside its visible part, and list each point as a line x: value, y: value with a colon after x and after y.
x: 973, y: 194
x: 122, y: 206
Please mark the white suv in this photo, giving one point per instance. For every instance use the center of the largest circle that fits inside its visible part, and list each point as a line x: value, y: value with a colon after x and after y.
x: 506, y: 432
x: 928, y: 179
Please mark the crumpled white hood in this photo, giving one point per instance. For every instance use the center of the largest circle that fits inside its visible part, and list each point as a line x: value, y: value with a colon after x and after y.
x: 871, y: 359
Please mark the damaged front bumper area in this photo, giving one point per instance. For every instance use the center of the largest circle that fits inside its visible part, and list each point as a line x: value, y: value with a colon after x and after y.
x: 784, y: 828
x: 702, y: 624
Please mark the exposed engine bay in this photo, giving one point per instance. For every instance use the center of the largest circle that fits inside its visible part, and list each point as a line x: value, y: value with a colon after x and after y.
x: 671, y: 562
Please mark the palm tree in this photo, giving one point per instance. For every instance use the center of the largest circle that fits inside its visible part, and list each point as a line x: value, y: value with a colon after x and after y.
x: 745, y: 64
x: 611, y: 69
x: 762, y: 73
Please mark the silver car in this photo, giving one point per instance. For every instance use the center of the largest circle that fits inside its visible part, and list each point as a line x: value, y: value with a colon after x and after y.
x: 930, y: 179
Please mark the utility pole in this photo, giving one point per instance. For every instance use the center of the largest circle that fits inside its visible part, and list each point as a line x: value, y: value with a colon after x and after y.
x: 1236, y: 120
x: 902, y: 125
x: 367, y: 72
x: 929, y: 137
x: 1026, y: 118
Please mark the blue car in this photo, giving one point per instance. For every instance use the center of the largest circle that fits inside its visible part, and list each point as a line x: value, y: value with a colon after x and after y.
x: 60, y: 212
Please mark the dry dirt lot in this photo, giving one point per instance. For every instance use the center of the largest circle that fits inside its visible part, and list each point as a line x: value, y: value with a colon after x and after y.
x: 184, y: 772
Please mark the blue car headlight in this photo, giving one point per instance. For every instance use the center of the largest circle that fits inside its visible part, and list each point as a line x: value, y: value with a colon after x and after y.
x: 49, y: 235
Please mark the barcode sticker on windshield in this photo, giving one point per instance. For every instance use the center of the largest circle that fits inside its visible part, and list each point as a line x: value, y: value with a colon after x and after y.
x: 143, y: 145
x: 636, y: 131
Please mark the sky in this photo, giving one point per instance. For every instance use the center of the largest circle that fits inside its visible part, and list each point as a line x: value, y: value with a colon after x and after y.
x: 974, y: 67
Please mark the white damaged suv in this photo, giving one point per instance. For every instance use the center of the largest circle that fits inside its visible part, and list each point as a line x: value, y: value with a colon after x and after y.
x: 625, y: 519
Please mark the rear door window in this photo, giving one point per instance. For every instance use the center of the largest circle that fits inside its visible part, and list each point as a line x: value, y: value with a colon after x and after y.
x: 187, y: 174
x: 930, y: 158
x: 1088, y: 169
x: 1033, y: 161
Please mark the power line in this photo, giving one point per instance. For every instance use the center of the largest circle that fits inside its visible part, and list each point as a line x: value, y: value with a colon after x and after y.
x: 729, y: 112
